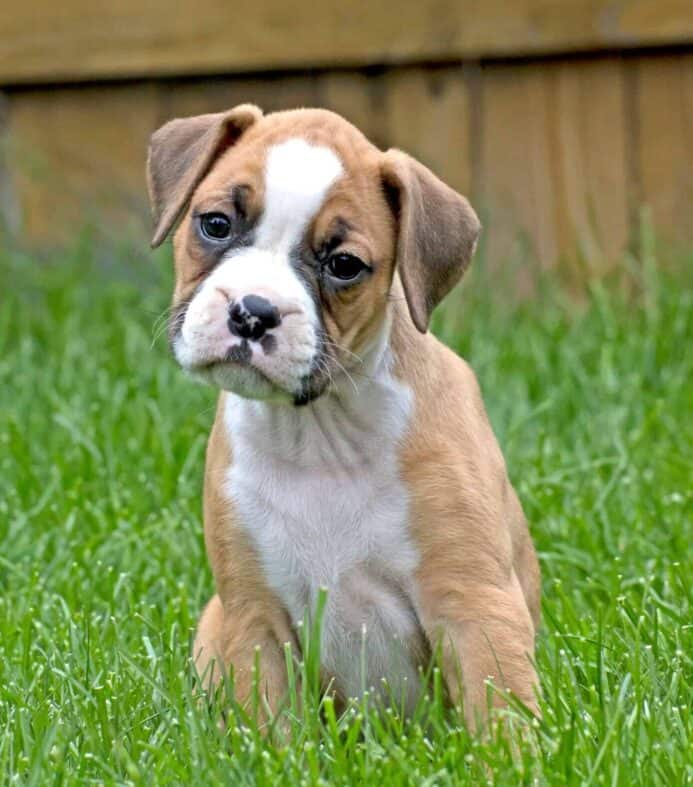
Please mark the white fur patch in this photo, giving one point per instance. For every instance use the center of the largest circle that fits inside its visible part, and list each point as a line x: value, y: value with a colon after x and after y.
x: 297, y: 179
x: 318, y: 490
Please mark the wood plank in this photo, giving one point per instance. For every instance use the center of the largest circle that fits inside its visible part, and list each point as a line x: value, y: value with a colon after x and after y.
x: 78, y: 160
x: 9, y: 212
x: 271, y: 93
x: 517, y: 201
x: 429, y: 117
x: 665, y: 100
x: 77, y: 155
x: 45, y: 41
x: 588, y: 143
x: 360, y: 98
x: 554, y: 165
x: 540, y: 148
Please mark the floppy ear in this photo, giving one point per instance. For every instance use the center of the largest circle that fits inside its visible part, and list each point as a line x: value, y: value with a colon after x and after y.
x: 181, y: 154
x: 437, y: 231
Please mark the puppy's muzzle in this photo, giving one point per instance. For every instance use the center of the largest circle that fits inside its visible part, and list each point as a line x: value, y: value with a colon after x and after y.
x: 252, y: 316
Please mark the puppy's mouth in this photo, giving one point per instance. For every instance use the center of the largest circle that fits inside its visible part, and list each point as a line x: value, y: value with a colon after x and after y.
x: 284, y: 362
x: 236, y: 371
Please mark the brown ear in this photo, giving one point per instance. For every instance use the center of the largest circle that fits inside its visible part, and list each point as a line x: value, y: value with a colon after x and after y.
x: 180, y: 155
x: 437, y: 233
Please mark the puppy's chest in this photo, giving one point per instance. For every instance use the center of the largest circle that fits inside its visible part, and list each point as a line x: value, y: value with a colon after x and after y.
x: 315, y: 530
x: 328, y: 520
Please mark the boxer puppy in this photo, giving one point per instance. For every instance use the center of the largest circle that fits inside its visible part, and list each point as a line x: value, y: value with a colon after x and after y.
x: 351, y: 449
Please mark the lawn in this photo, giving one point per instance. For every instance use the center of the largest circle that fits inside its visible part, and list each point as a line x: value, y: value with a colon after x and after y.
x: 103, y: 571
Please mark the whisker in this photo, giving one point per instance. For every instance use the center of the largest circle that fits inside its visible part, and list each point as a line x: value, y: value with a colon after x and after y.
x: 327, y: 339
x: 351, y: 372
x: 161, y: 322
x: 339, y: 347
x: 344, y: 370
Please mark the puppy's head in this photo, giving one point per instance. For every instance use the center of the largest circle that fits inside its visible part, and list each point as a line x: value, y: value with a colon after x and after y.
x: 292, y: 227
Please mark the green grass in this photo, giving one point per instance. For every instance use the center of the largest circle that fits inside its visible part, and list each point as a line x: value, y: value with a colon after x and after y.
x: 103, y: 571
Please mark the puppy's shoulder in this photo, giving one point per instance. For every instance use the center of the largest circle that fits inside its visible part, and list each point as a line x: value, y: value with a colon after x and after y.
x: 446, y: 391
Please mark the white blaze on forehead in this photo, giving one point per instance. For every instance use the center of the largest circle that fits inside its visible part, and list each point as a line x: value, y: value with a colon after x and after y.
x: 297, y: 178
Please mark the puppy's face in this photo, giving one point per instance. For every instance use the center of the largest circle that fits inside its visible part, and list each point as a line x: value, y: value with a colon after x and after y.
x: 292, y: 227
x: 284, y: 262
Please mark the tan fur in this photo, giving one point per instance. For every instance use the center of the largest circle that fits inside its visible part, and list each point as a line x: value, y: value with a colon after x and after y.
x: 180, y: 155
x: 438, y: 231
x: 244, y: 615
x: 357, y: 199
x: 478, y: 577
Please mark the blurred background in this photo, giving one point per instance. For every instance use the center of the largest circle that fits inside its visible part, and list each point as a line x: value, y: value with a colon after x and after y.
x: 560, y: 120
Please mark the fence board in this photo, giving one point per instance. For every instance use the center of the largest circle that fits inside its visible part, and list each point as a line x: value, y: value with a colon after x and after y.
x: 589, y: 150
x: 359, y: 98
x: 45, y: 41
x: 272, y: 93
x: 78, y: 159
x: 552, y: 154
x: 516, y: 175
x: 428, y: 115
x: 665, y: 95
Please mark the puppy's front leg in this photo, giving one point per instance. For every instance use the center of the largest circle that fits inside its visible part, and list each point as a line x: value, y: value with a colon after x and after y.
x: 244, y: 623
x: 236, y: 642
x: 484, y: 631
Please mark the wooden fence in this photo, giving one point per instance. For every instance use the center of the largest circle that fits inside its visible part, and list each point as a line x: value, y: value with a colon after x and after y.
x: 559, y: 119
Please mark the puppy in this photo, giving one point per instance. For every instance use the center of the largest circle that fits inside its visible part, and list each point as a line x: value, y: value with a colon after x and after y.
x: 351, y: 449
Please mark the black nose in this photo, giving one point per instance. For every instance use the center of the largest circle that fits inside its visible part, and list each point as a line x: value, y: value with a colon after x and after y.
x: 251, y: 316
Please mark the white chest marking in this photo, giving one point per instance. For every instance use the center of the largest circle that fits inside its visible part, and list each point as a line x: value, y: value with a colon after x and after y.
x: 319, y: 492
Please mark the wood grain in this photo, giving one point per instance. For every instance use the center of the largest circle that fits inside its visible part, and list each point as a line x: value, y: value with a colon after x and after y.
x: 429, y: 116
x: 518, y: 197
x: 588, y: 149
x: 360, y: 98
x: 78, y: 161
x: 556, y: 155
x: 665, y: 151
x: 45, y: 41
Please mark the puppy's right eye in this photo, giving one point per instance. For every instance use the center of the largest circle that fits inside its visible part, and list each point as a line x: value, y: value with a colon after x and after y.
x: 215, y: 226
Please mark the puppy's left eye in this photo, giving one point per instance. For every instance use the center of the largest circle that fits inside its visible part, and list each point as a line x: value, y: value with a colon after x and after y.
x: 215, y: 226
x: 345, y: 267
